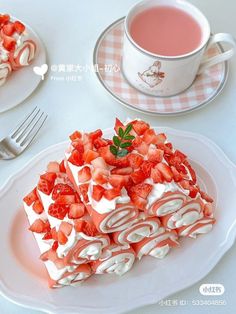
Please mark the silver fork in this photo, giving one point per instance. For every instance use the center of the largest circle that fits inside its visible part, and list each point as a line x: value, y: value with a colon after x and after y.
x: 22, y: 136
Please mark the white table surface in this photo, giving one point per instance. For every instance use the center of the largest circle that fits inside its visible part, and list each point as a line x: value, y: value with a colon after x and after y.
x: 69, y: 30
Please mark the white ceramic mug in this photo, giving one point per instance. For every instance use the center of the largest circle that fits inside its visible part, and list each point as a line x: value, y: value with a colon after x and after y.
x: 169, y: 75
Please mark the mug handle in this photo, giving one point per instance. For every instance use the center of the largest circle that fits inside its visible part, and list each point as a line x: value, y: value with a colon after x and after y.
x: 221, y: 37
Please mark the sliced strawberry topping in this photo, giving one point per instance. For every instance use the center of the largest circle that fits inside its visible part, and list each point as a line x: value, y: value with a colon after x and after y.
x: 118, y: 124
x: 79, y: 146
x: 84, y: 174
x: 66, y: 228
x: 53, y: 166
x: 75, y: 136
x: 98, y: 192
x: 76, y: 211
x: 55, y: 246
x: 31, y: 197
x: 165, y: 171
x: 79, y: 225
x: 150, y: 137
x: 9, y: 43
x: 110, y: 159
x: 191, y: 171
x: 142, y: 189
x: 99, y: 162
x: 122, y: 171
x: 76, y: 158
x: 138, y: 201
x: 4, y: 18
x: 118, y: 181
x: 49, y: 176
x: 206, y: 197
x: 62, y: 238
x: 58, y: 211
x: 208, y: 210
x: 19, y: 27
x: 96, y: 134
x: 65, y: 199
x: 84, y: 191
x: 89, y: 229
x: 38, y: 207
x: 135, y: 160
x: 161, y: 138
x: 62, y: 166
x: 137, y: 141
x: 176, y: 175
x: 138, y: 176
x: 142, y: 148
x: 45, y: 186
x: 155, y: 155
x: 185, y: 184
x: 89, y: 155
x: 100, y: 142
x: 140, y: 126
x: 112, y: 193
x: 61, y: 189
x: 166, y: 148
x: 38, y: 226
x: 8, y: 29
x: 146, y: 167
x: 156, y: 176
x: 54, y: 233
x: 47, y: 236
x: 193, y: 191
x: 100, y: 176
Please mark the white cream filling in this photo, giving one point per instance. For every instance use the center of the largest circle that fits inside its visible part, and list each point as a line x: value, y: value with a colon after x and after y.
x: 26, y: 51
x: 117, y: 221
x: 184, y: 218
x: 207, y: 227
x: 158, y: 191
x: 118, y: 264
x: 138, y: 231
x: 148, y: 247
x: 160, y: 252
x: 74, y: 277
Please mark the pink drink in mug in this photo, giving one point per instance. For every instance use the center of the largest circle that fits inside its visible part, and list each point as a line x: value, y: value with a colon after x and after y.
x: 166, y: 30
x: 164, y: 45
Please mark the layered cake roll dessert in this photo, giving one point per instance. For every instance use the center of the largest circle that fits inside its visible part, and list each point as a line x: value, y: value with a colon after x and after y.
x: 17, y: 49
x: 113, y: 201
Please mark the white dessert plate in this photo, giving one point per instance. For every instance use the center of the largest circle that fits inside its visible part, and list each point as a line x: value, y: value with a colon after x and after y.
x: 22, y: 275
x: 107, y: 57
x: 22, y: 83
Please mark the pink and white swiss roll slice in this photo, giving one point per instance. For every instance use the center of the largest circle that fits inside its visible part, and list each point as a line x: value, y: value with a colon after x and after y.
x: 78, y: 240
x: 23, y: 55
x: 202, y: 226
x: 144, y: 227
x: 59, y: 273
x: 5, y: 71
x: 103, y: 192
x: 74, y: 278
x: 115, y: 260
x: 188, y: 214
x: 157, y: 246
x: 19, y: 48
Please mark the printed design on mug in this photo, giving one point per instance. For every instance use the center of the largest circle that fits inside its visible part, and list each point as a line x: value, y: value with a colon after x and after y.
x: 152, y: 76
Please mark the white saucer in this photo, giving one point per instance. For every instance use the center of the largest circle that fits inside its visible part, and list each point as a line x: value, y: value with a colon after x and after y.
x: 107, y: 60
x: 23, y: 82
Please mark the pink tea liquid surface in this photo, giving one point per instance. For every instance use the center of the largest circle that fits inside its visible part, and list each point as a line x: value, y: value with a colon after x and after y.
x: 166, y: 30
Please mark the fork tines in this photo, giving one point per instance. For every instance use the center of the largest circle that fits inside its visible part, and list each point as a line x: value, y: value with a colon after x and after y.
x: 26, y: 131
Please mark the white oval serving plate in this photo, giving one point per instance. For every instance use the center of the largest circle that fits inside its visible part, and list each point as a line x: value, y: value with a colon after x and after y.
x: 22, y: 275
